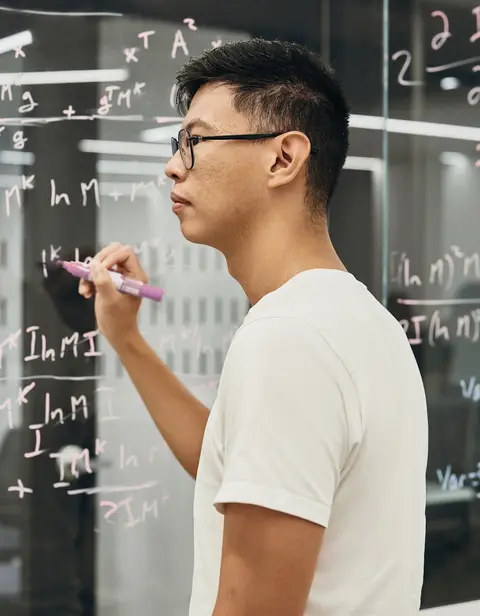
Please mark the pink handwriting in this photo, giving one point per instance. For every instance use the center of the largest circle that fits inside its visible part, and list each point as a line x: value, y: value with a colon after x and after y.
x: 144, y: 36
x: 113, y: 489
x: 21, y: 489
x: 432, y: 328
x: 69, y: 112
x: 71, y: 462
x: 106, y: 404
x: 45, y: 353
x: 190, y: 23
x: 473, y: 95
x: 30, y: 105
x: 179, y: 41
x: 19, y: 53
x: 476, y: 36
x: 21, y: 400
x: 131, y: 460
x: 401, y: 75
x: 19, y: 140
x: 37, y: 451
x: 124, y: 505
x: 442, y: 271
x: 130, y: 54
x: 440, y: 39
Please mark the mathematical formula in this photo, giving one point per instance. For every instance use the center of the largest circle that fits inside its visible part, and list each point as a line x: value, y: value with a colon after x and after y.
x: 437, y: 42
x: 442, y: 272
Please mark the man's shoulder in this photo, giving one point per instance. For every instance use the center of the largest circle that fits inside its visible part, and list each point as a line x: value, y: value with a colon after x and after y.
x: 279, y: 339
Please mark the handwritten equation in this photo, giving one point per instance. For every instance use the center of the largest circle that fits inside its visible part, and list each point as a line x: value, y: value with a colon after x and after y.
x: 452, y: 482
x: 115, y: 100
x: 403, y: 59
x: 129, y: 508
x: 455, y: 264
x: 88, y: 193
x: 438, y: 41
x: 135, y: 495
x: 84, y: 345
x: 435, y: 328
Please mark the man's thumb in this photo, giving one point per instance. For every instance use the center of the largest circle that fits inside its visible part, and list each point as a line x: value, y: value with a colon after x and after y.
x: 101, y: 278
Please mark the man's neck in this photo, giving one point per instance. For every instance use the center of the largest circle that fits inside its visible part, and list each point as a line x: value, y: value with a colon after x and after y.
x: 268, y: 261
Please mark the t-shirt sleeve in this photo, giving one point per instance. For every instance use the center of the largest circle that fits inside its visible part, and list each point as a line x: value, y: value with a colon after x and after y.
x: 286, y: 433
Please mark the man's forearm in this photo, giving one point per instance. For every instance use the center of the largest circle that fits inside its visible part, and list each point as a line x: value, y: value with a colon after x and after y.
x: 179, y: 416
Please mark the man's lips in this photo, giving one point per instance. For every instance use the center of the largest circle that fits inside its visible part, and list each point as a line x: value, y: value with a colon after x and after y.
x: 179, y: 200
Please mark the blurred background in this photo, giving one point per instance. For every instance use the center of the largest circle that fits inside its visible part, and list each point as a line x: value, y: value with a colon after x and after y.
x: 95, y: 514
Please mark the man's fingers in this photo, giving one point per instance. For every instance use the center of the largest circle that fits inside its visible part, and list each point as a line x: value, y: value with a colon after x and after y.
x: 101, y: 278
x: 108, y: 250
x: 127, y: 260
x: 85, y: 288
x: 120, y: 256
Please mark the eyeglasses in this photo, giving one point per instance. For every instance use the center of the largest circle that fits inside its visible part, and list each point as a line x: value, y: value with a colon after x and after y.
x: 186, y: 141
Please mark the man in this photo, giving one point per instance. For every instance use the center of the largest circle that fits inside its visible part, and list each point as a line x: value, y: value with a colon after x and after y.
x: 310, y: 467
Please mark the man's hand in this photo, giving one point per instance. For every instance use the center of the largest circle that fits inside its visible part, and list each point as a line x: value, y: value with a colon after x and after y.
x: 116, y: 313
x: 268, y: 562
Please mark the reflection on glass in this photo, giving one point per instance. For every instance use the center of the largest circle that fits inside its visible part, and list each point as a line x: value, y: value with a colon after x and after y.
x: 202, y: 258
x: 218, y: 361
x: 218, y: 310
x: 202, y: 310
x: 187, y: 311
x: 187, y: 253
x: 170, y: 309
x: 186, y: 361
x: 3, y: 311
x: 3, y: 253
x: 202, y: 363
x: 234, y: 311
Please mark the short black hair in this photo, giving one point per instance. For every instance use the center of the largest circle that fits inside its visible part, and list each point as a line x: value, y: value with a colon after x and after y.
x: 280, y: 86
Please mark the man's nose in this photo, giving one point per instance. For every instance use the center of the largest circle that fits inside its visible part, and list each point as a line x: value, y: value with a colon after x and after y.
x: 175, y: 169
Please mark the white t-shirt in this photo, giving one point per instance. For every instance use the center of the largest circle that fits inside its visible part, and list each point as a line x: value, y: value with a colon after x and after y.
x: 321, y: 414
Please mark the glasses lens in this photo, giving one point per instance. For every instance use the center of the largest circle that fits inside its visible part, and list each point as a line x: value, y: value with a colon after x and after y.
x: 174, y: 144
x: 185, y: 148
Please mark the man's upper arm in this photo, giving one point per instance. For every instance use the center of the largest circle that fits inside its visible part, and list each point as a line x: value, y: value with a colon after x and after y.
x: 268, y: 562
x: 286, y: 442
x: 286, y: 427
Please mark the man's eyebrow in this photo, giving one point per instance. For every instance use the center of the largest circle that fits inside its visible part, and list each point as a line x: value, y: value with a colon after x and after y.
x: 197, y: 122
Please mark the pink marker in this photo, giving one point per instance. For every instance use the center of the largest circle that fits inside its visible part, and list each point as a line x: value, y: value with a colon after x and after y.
x: 123, y: 284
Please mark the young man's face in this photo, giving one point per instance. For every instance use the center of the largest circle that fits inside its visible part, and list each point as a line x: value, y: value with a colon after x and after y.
x: 227, y: 186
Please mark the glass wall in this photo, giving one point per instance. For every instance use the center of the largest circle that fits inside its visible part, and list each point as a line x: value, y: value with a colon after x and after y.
x: 434, y: 267
x: 86, y: 482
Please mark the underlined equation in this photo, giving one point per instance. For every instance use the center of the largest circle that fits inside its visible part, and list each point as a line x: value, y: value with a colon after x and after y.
x: 125, y: 504
x: 441, y: 298
x: 438, y: 305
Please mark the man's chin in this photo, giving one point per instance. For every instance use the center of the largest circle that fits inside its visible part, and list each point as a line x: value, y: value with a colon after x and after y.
x: 194, y: 233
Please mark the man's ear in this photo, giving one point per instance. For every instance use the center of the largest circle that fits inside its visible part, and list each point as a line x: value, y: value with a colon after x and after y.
x: 292, y: 149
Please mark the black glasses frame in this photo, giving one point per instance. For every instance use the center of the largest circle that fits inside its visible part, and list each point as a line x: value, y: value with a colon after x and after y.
x: 195, y: 139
